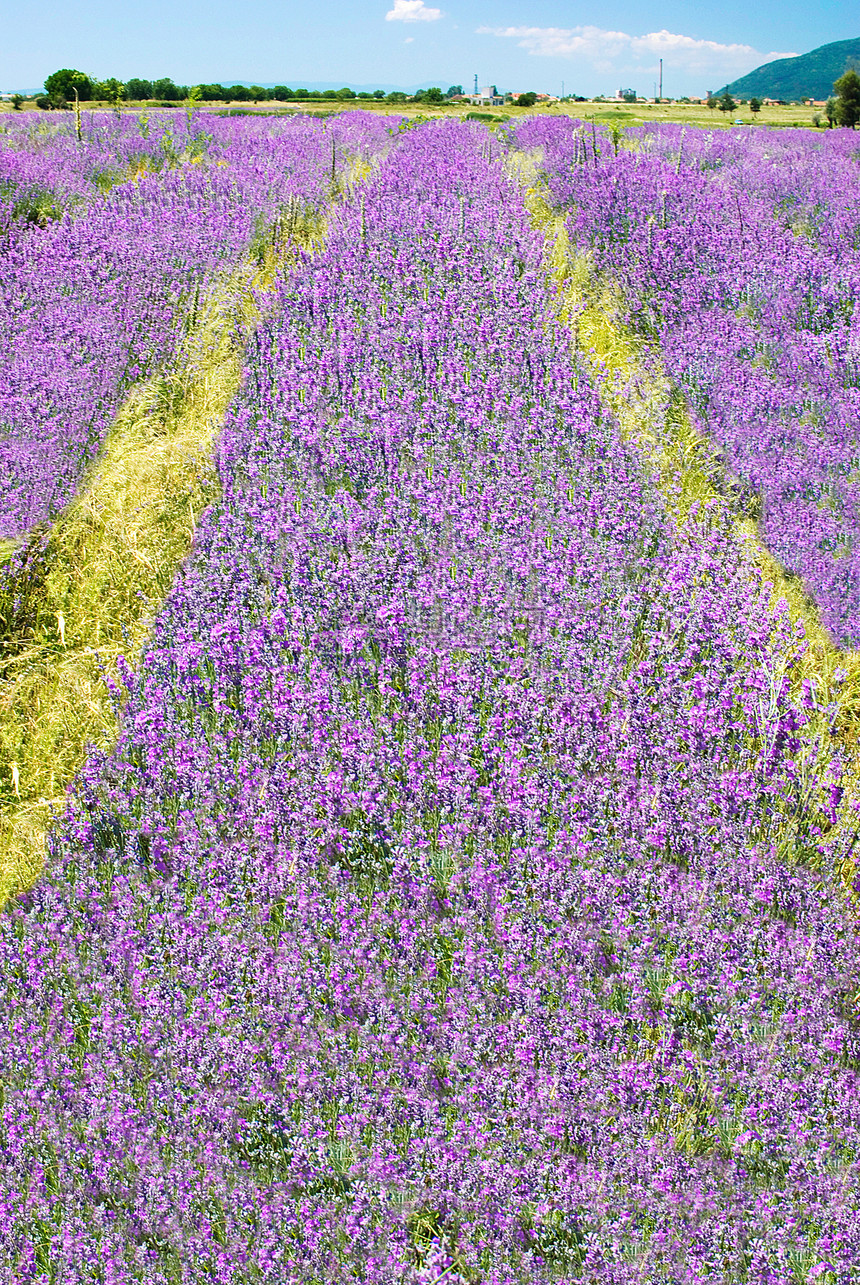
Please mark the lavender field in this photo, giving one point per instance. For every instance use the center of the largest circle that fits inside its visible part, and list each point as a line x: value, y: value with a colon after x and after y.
x: 741, y: 254
x: 468, y: 895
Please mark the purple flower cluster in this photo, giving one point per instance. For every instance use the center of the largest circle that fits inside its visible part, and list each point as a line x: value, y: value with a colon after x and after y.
x: 45, y: 170
x: 34, y: 188
x: 456, y: 905
x: 739, y: 252
x: 100, y: 298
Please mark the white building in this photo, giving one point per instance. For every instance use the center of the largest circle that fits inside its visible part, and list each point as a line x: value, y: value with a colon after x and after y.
x: 489, y: 96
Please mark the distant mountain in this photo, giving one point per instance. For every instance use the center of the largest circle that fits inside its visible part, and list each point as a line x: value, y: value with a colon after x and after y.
x: 807, y: 76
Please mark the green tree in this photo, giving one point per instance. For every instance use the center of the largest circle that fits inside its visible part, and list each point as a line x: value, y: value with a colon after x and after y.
x: 60, y: 86
x: 166, y: 90
x: 108, y: 91
x: 755, y: 106
x: 302, y: 93
x: 830, y: 112
x: 848, y: 99
x: 526, y: 100
x: 259, y: 94
x: 434, y: 95
x: 453, y: 90
x: 281, y: 94
x: 629, y: 95
x: 711, y: 102
x: 17, y: 102
x: 344, y: 94
x: 727, y: 103
x: 138, y: 90
x: 396, y: 96
x: 238, y: 94
x: 379, y: 93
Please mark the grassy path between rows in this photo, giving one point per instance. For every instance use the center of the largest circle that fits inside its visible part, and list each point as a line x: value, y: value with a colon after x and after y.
x: 89, y: 587
x: 652, y: 412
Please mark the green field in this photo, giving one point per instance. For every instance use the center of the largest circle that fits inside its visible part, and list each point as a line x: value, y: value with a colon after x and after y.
x: 795, y: 115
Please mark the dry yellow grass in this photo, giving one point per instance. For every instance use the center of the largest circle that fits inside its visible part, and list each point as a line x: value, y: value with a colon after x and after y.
x: 95, y: 585
x: 92, y: 584
x: 651, y: 412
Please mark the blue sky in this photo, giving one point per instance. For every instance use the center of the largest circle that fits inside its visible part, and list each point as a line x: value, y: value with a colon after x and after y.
x: 516, y: 44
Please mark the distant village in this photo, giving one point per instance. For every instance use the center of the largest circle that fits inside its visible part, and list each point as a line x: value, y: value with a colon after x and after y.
x: 490, y: 96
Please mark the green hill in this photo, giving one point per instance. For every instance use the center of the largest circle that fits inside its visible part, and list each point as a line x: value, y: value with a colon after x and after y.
x: 807, y: 76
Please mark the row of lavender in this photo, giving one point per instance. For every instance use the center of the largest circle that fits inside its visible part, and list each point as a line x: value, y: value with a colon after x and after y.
x: 48, y: 168
x: 740, y: 253
x: 427, y: 922
x: 45, y: 170
x: 100, y: 297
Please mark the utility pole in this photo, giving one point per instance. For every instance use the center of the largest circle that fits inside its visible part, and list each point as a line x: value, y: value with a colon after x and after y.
x: 661, y: 80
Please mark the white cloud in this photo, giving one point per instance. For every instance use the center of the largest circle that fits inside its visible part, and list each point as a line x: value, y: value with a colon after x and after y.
x: 412, y: 11
x: 608, y: 50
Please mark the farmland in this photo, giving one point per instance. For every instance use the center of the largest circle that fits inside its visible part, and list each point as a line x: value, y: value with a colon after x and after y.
x: 601, y: 110
x: 457, y: 882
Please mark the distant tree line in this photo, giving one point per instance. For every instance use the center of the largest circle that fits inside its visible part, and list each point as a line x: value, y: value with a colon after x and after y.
x: 64, y: 87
